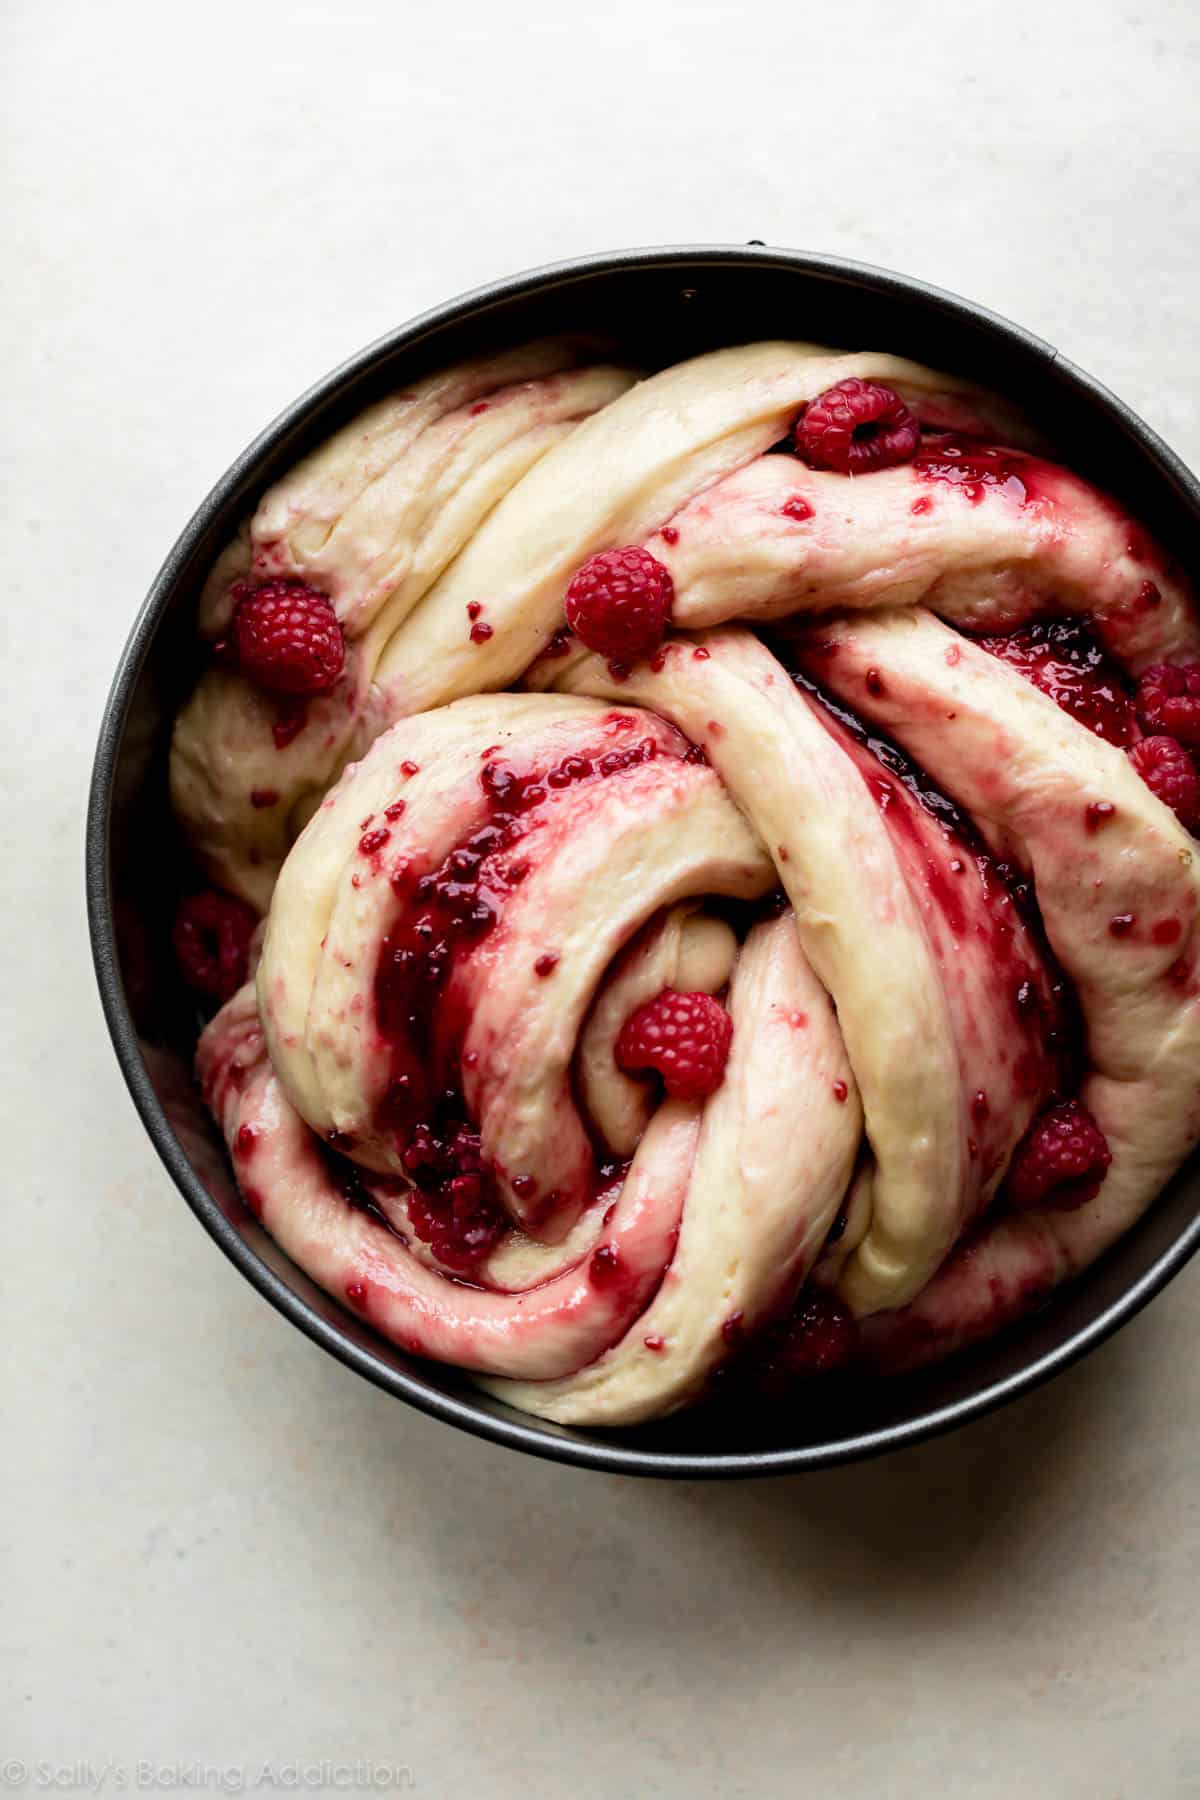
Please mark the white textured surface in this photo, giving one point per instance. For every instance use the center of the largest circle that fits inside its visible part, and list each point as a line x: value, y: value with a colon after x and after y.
x: 219, y: 1546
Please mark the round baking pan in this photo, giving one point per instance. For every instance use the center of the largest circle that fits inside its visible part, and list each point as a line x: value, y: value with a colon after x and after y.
x: 658, y: 306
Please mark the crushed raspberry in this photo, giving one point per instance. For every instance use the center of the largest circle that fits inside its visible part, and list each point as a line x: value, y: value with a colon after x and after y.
x: 1061, y: 1161
x: 975, y: 469
x: 605, y: 1266
x: 289, y: 722
x: 1168, y: 701
x: 288, y: 638
x: 1171, y: 775
x: 212, y: 942
x: 452, y: 1206
x: 1064, y: 660
x: 855, y: 427
x: 560, y: 643
x: 619, y: 603
x: 684, y: 1037
x: 816, y: 1338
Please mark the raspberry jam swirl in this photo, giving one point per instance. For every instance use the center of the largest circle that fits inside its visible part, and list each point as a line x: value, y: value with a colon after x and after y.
x: 758, y: 936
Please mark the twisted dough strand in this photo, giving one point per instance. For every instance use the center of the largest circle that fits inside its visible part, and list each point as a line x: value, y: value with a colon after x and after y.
x: 918, y: 1014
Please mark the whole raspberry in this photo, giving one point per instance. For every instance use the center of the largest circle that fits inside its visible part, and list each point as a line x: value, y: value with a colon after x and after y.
x: 619, y: 602
x: 1169, y: 772
x: 1168, y: 701
x: 1061, y: 1160
x: 816, y: 1338
x: 212, y: 942
x: 855, y: 427
x: 684, y: 1037
x: 288, y: 639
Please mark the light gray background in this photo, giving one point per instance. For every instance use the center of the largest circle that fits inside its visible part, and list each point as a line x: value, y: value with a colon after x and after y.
x: 219, y: 1544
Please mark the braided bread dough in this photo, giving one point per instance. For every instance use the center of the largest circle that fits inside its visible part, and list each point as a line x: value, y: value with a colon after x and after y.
x: 881, y: 1076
